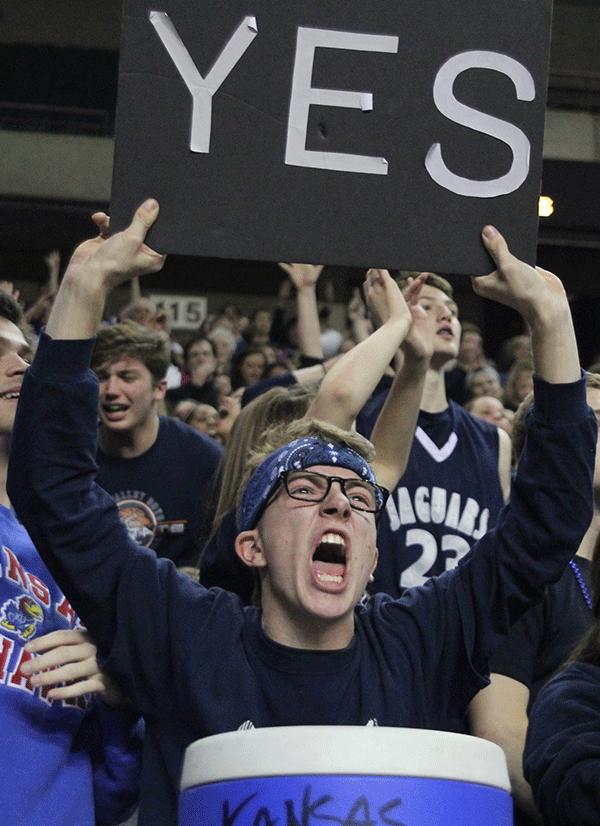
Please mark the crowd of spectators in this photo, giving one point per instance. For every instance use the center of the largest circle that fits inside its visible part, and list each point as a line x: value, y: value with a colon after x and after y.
x: 211, y: 369
x: 237, y: 375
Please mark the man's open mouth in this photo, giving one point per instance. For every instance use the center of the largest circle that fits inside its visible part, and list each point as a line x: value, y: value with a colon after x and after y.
x: 329, y: 558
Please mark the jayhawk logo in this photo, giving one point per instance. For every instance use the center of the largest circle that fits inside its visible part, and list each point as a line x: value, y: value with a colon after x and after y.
x: 21, y: 616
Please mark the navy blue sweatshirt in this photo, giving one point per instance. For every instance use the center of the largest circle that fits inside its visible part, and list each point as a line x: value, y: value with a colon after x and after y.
x: 562, y: 751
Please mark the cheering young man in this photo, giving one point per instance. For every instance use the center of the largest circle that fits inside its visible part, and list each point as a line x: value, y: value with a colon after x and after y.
x: 196, y: 662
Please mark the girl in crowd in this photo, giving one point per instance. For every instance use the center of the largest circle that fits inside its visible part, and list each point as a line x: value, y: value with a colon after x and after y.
x: 200, y: 363
x: 248, y: 366
x: 518, y: 384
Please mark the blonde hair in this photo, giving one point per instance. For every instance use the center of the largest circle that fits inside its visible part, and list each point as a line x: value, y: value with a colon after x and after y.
x: 277, y: 405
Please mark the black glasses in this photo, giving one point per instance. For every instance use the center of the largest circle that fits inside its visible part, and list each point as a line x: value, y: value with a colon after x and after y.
x: 310, y: 486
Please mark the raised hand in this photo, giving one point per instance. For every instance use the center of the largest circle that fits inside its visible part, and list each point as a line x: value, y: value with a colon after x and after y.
x: 96, y: 267
x: 304, y: 278
x: 384, y: 298
x: 418, y: 343
x: 303, y: 275
x: 123, y: 256
x: 52, y: 261
x: 356, y: 306
x: 531, y: 291
x: 541, y: 299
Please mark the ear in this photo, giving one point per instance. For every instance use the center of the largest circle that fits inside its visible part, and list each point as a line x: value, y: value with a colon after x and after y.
x: 160, y: 390
x: 371, y: 577
x: 248, y: 548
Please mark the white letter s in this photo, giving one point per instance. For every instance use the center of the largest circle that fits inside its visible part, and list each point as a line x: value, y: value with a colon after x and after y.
x: 466, y: 116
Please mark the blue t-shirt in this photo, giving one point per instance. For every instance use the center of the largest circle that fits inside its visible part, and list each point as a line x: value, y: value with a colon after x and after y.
x: 52, y: 761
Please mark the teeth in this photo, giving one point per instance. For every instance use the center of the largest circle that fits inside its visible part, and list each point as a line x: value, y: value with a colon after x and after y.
x: 10, y: 395
x: 334, y: 538
x: 327, y: 578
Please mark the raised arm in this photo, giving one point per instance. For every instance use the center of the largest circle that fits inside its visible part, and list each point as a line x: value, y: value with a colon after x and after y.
x: 394, y: 429
x: 39, y: 494
x: 551, y: 504
x: 351, y: 380
x: 541, y: 299
x: 304, y: 278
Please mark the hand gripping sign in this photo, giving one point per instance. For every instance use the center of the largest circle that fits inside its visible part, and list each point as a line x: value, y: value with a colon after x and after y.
x: 370, y: 135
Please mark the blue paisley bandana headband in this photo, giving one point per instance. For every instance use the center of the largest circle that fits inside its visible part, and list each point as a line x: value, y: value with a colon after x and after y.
x: 296, y: 455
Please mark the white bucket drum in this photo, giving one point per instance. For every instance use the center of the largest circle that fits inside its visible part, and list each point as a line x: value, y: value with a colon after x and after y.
x: 344, y: 776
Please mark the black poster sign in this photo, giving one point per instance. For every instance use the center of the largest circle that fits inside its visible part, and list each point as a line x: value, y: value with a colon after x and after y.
x: 360, y: 133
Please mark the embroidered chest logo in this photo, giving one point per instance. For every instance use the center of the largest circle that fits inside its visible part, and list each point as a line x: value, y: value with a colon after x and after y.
x: 21, y: 616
